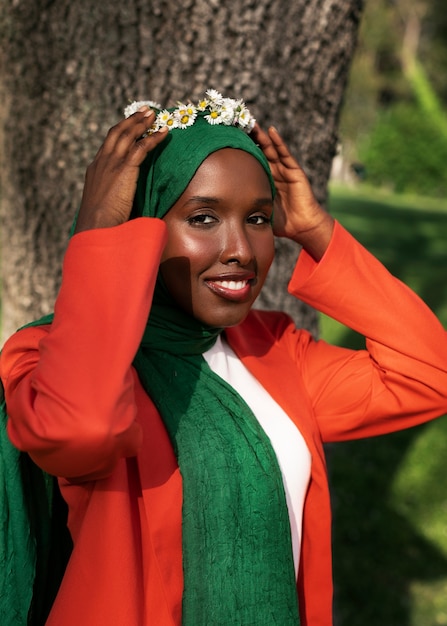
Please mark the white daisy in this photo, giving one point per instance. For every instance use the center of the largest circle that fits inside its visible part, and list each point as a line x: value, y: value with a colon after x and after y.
x: 245, y: 119
x: 185, y: 115
x: 219, y: 110
x: 202, y: 104
x: 231, y: 102
x: 137, y: 104
x: 228, y: 111
x: 165, y: 118
x: 214, y: 96
x: 214, y: 116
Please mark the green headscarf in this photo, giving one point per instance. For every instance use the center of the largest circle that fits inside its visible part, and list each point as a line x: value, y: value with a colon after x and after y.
x: 237, y: 554
x: 167, y: 171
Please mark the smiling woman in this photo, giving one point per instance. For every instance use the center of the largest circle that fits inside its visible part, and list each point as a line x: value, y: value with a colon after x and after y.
x: 186, y: 429
x: 220, y: 239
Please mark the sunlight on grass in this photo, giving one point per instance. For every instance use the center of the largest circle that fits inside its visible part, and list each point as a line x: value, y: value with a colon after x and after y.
x: 389, y: 493
x: 366, y: 193
x: 419, y: 486
x: 429, y: 604
x: 419, y: 494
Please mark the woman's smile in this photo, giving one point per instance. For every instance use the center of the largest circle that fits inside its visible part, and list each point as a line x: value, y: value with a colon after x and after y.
x: 220, y: 239
x: 236, y: 286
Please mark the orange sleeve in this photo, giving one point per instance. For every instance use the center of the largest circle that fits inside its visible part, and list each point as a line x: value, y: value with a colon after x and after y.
x: 69, y: 387
x: 400, y: 380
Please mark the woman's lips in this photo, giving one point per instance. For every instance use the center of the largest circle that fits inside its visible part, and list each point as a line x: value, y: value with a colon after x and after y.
x: 231, y: 289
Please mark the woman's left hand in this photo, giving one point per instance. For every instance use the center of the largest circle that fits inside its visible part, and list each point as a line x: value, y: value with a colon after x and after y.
x: 297, y: 214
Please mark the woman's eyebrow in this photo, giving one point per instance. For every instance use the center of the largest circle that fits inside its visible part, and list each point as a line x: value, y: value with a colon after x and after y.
x: 258, y: 202
x: 202, y: 200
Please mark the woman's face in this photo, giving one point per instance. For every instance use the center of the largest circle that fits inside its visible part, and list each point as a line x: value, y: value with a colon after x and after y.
x: 220, y: 240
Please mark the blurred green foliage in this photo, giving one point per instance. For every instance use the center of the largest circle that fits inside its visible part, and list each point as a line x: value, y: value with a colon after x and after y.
x: 406, y: 152
x: 389, y: 493
x: 394, y: 118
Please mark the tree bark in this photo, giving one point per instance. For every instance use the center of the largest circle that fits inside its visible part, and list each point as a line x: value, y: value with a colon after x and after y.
x: 68, y: 69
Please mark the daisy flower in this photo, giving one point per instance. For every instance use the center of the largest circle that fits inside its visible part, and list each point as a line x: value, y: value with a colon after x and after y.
x: 185, y: 115
x: 228, y: 111
x: 216, y: 110
x: 214, y: 116
x: 137, y: 104
x: 214, y: 96
x: 165, y: 118
x: 202, y: 104
x: 245, y: 119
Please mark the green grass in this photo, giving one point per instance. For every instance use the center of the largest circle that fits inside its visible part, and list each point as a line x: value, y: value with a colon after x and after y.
x: 390, y: 493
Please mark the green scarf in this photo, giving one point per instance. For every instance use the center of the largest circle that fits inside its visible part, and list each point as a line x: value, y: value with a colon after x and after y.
x: 34, y: 540
x: 237, y: 553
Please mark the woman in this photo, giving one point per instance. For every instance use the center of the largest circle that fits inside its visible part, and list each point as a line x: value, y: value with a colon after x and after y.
x: 186, y: 429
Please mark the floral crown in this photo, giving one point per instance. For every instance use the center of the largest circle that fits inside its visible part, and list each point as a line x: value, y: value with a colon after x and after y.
x: 213, y: 107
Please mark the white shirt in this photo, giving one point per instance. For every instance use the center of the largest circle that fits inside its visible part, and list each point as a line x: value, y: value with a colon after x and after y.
x: 293, y: 455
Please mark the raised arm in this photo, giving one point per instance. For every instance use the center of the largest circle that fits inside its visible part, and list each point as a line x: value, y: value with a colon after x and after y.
x: 70, y: 387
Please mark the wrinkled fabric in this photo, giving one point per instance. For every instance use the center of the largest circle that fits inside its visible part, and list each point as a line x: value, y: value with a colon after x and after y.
x: 34, y: 541
x: 237, y: 555
x: 237, y: 552
x: 167, y: 170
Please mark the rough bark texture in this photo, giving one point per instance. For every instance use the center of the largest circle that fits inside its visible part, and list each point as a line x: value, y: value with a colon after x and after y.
x: 68, y: 68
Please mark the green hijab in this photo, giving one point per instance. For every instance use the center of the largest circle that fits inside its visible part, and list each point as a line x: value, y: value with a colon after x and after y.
x: 237, y: 554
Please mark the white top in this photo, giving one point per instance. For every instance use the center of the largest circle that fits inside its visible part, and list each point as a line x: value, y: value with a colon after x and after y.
x: 293, y: 455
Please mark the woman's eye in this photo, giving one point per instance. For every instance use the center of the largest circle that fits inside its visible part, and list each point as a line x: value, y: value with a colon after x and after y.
x: 258, y: 220
x: 202, y: 218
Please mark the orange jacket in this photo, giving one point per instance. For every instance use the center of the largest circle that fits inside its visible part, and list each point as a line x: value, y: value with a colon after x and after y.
x: 77, y: 407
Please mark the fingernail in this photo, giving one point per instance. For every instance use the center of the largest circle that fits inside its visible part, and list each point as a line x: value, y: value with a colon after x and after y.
x: 147, y: 109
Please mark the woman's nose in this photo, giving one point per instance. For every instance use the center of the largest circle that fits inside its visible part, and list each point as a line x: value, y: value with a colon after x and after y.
x: 236, y: 247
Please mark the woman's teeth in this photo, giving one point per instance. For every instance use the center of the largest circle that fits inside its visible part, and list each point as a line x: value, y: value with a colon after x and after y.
x: 235, y: 285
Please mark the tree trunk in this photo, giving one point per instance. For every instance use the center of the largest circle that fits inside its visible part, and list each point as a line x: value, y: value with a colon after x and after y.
x: 69, y: 68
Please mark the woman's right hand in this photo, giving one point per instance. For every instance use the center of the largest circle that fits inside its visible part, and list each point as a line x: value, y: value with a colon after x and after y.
x: 111, y: 178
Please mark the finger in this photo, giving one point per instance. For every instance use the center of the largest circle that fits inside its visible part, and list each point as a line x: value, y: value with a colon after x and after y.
x: 264, y: 141
x: 145, y: 145
x: 272, y: 143
x: 282, y: 150
x: 258, y: 135
x: 123, y: 135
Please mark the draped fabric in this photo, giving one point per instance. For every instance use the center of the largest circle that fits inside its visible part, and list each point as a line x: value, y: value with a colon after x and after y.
x: 17, y: 549
x: 34, y: 541
x: 237, y: 554
x: 167, y: 170
x: 35, y: 544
